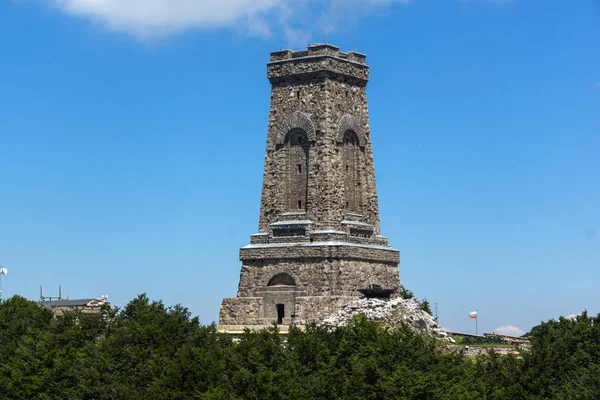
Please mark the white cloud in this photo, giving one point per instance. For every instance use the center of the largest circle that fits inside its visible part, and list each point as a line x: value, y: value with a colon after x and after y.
x: 509, y: 330
x: 597, y: 85
x: 572, y: 316
x: 149, y: 19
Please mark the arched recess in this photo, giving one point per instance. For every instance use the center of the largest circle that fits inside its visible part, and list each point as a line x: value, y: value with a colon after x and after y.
x: 296, y: 147
x: 296, y: 120
x: 282, y: 279
x: 348, y: 123
x: 351, y: 170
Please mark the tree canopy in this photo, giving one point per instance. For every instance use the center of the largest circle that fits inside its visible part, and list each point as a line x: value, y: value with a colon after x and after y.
x: 150, y: 351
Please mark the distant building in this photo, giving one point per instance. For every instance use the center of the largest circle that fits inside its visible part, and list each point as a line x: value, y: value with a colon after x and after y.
x: 86, y: 306
x: 58, y: 305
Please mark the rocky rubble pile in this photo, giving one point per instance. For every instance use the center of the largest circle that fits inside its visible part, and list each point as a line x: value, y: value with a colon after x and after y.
x: 391, y: 312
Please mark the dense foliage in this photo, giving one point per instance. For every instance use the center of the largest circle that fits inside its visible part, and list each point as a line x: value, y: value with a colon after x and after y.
x: 149, y: 351
x: 425, y: 307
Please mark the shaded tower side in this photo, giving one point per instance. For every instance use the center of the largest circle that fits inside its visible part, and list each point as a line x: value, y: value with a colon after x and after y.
x: 319, y: 163
x: 319, y: 238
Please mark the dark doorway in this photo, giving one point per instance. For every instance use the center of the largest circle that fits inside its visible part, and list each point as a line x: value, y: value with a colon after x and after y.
x: 280, y: 313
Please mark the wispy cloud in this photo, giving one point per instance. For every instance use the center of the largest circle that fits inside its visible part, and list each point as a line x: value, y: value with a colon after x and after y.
x: 488, y: 1
x: 151, y: 19
x: 597, y: 85
x: 509, y: 330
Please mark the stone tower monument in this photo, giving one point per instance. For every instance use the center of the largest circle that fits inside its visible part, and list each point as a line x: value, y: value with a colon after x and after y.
x: 319, y: 240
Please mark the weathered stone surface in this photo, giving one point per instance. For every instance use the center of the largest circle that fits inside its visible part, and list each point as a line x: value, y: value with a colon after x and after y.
x: 319, y: 238
x: 319, y: 277
x: 241, y: 309
x: 321, y: 61
x: 390, y: 312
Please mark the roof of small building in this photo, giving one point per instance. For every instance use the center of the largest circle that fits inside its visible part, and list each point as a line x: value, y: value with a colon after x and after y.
x: 71, y: 303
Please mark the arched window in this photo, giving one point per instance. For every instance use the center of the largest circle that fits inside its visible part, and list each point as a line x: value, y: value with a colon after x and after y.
x: 296, y: 147
x: 282, y: 279
x: 350, y: 165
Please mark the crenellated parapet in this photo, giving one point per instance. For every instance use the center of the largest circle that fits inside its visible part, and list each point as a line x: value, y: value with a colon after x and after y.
x: 321, y: 49
x: 318, y: 61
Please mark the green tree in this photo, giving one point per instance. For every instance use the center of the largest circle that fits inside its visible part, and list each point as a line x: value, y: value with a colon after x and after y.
x: 38, y: 352
x: 564, y: 361
x: 150, y: 351
x: 405, y: 293
x: 426, y: 307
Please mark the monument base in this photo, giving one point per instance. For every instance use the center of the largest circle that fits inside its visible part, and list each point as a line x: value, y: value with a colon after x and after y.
x: 261, y: 312
x: 303, y: 283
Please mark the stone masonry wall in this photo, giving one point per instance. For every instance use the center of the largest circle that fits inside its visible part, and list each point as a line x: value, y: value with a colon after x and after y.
x: 319, y: 277
x: 241, y: 310
x: 250, y: 311
x: 328, y: 102
x: 317, y: 308
x: 330, y: 251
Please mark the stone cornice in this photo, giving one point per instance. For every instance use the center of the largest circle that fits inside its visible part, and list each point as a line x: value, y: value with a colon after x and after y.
x: 327, y: 250
x: 317, y: 65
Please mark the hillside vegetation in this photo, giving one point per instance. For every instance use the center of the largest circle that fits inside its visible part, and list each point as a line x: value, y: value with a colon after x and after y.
x: 150, y: 351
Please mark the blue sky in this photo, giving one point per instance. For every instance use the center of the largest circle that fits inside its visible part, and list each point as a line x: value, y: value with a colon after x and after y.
x: 132, y: 139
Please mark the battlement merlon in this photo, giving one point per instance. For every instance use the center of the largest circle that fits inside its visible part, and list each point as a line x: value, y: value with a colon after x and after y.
x: 319, y: 60
x: 320, y: 50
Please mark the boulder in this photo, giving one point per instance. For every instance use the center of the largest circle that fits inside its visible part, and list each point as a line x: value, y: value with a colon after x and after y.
x: 391, y: 312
